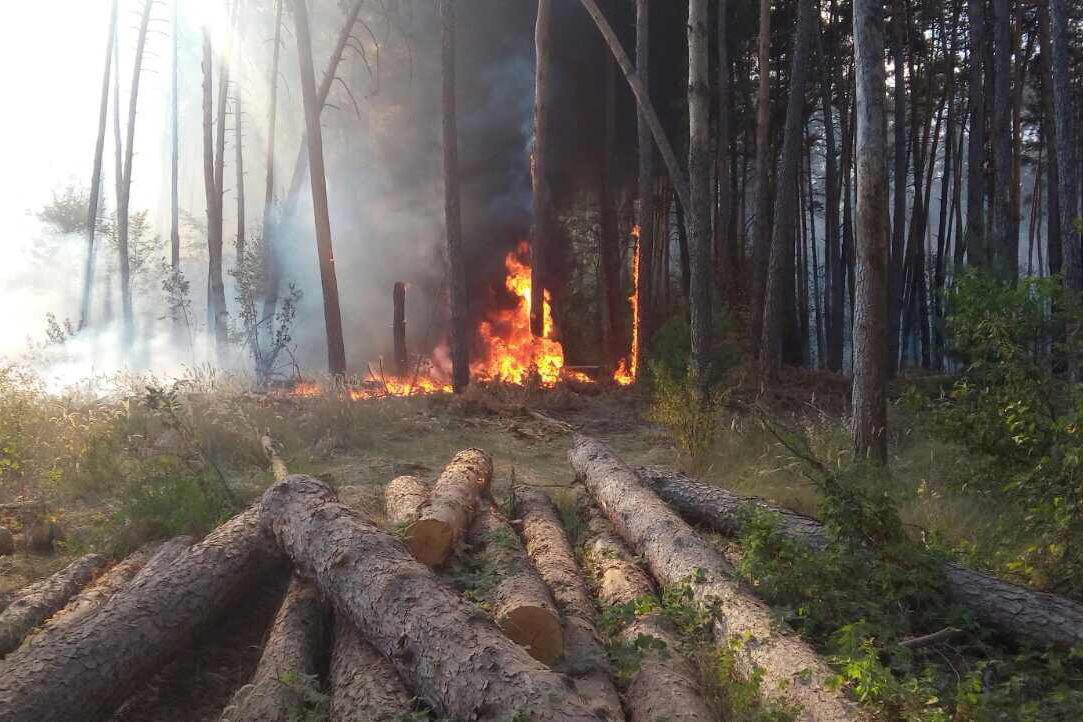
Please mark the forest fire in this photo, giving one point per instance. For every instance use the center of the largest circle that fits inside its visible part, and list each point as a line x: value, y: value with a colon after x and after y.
x: 628, y: 368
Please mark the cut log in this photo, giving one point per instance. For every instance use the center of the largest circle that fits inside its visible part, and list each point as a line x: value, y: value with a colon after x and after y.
x: 520, y: 602
x: 41, y: 600
x: 364, y: 684
x: 278, y: 466
x: 89, y: 669
x: 454, y: 659
x: 446, y: 516
x: 552, y: 555
x: 1012, y: 608
x: 666, y: 685
x: 163, y: 557
x: 403, y: 497
x: 289, y: 659
x: 791, y: 672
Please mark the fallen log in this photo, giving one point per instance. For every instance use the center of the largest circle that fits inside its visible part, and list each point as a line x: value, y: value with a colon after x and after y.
x: 163, y: 557
x: 364, y: 684
x: 551, y: 553
x: 445, y: 516
x: 518, y: 598
x: 41, y: 600
x: 88, y: 670
x: 454, y: 659
x: 288, y: 662
x: 403, y: 497
x: 790, y: 672
x: 665, y: 686
x: 1012, y: 608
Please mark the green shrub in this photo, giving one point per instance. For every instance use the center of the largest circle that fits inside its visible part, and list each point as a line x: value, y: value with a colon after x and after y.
x: 679, y: 405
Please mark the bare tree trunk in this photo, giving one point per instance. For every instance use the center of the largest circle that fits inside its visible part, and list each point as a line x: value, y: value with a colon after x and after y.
x: 896, y: 262
x: 364, y: 685
x: 124, y: 196
x: 174, y: 155
x: 1049, y: 141
x: 1062, y: 106
x: 833, y: 297
x: 96, y: 174
x: 974, y: 238
x: 460, y: 340
x: 761, y: 236
x: 699, y: 172
x: 270, y: 239
x: 608, y: 244
x: 645, y: 208
x: 727, y: 243
x: 398, y: 330
x: 238, y: 141
x: 782, y: 239
x: 216, y: 295
x: 332, y: 315
x: 541, y: 233
x: 871, y: 314
x: 1005, y: 232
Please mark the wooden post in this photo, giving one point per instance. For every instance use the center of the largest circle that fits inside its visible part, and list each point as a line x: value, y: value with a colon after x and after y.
x: 399, y: 330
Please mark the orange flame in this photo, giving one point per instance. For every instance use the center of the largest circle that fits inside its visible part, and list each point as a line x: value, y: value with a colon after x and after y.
x: 628, y: 368
x: 510, y: 352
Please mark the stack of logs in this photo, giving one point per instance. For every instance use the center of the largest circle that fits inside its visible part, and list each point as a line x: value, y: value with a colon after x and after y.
x: 399, y: 633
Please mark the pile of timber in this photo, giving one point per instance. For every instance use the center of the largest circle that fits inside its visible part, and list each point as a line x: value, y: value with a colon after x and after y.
x: 379, y: 604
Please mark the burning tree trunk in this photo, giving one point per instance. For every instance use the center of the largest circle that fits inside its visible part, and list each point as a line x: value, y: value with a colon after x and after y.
x: 446, y: 515
x: 677, y: 556
x: 541, y: 234
x: 871, y: 308
x: 86, y: 671
x: 782, y: 239
x: 1010, y: 607
x: 699, y: 172
x: 290, y: 653
x: 552, y: 555
x: 96, y: 174
x: 455, y: 661
x: 460, y: 339
x: 398, y: 327
x: 40, y: 601
x: 336, y: 351
x: 520, y: 602
x: 364, y: 684
x: 665, y: 686
x: 124, y: 197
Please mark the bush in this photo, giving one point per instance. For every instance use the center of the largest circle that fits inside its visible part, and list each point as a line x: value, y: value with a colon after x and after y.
x: 679, y: 405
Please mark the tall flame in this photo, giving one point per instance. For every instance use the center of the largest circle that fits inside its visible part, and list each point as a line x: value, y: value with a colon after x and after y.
x: 509, y: 351
x: 628, y: 368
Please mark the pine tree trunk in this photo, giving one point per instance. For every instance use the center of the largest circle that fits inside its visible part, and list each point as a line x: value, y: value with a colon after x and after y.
x: 1049, y: 142
x: 645, y: 208
x: 608, y: 243
x: 216, y: 295
x: 974, y: 238
x: 699, y: 172
x: 364, y: 684
x: 1005, y: 231
x: 448, y: 512
x: 896, y: 273
x: 833, y: 275
x: 871, y: 310
x: 96, y: 174
x: 174, y: 154
x: 332, y: 315
x: 1066, y: 161
x: 782, y: 238
x: 761, y: 235
x: 727, y: 243
x: 541, y: 232
x: 270, y: 239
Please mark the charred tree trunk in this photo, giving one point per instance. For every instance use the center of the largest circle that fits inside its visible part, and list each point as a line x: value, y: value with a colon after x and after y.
x: 332, y: 315
x: 665, y: 685
x: 431, y: 635
x: 675, y: 555
x: 447, y: 513
x: 40, y: 601
x: 541, y: 233
x: 88, y: 670
x: 609, y: 284
x: 786, y: 218
x: 96, y: 174
x: 364, y: 684
x: 398, y: 330
x: 290, y: 653
x: 460, y: 339
x: 872, y: 364
x: 761, y: 235
x: 1066, y: 161
x: 1012, y: 608
x: 699, y: 173
x: 553, y: 556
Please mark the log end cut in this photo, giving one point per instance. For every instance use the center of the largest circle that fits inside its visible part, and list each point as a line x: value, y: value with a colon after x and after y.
x: 536, y: 629
x: 430, y: 541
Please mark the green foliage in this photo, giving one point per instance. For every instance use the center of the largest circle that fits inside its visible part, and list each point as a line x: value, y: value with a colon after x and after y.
x: 678, y: 404
x: 1016, y: 408
x: 66, y: 213
x: 309, y: 702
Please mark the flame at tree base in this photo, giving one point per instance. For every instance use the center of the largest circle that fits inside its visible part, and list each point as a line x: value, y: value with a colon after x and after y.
x: 628, y: 368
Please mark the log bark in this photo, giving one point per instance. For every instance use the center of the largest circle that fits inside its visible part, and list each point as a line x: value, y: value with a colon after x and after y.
x: 364, y: 684
x: 403, y: 497
x: 289, y: 657
x: 792, y: 673
x: 446, y: 516
x: 552, y: 555
x: 163, y: 557
x: 456, y: 661
x: 1012, y: 608
x: 520, y: 602
x: 90, y: 669
x: 665, y: 686
x: 42, y: 599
